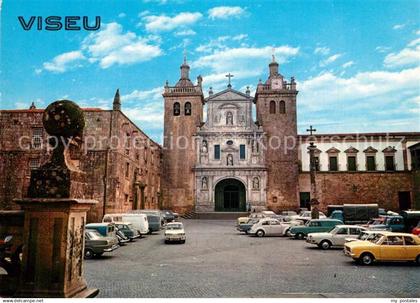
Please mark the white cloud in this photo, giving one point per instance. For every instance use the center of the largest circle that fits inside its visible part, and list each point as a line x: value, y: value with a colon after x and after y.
x: 121, y: 15
x: 407, y: 56
x: 382, y: 49
x: 186, y: 32
x: 225, y: 12
x: 367, y: 101
x: 398, y: 26
x: 322, y: 50
x: 329, y: 60
x: 242, y: 62
x: 348, y: 64
x: 145, y: 108
x: 63, y: 62
x: 166, y: 23
x: 239, y: 37
x: 329, y: 89
x: 232, y: 58
x: 111, y: 46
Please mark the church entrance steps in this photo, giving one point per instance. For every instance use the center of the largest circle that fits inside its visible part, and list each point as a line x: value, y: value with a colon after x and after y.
x: 220, y: 215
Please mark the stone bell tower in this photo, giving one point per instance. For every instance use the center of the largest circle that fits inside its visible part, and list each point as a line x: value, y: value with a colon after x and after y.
x: 276, y: 112
x: 183, y: 115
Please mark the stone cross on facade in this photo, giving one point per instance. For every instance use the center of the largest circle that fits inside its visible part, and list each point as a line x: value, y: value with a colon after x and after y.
x: 229, y: 76
x: 311, y: 130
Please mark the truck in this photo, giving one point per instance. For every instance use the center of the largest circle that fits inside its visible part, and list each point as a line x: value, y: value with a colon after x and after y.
x: 404, y: 222
x: 355, y: 213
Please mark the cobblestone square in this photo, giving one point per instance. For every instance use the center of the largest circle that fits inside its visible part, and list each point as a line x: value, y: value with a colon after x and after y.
x: 217, y: 261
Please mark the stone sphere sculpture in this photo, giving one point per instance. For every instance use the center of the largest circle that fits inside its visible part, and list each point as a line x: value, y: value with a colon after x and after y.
x: 63, y: 118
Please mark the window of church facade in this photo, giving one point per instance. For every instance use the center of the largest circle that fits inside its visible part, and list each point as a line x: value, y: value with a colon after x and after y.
x: 217, y: 152
x: 389, y: 163
x: 272, y: 107
x: 370, y: 163
x: 177, y: 109
x: 242, y: 152
x: 127, y: 170
x: 187, y: 109
x: 333, y: 165
x: 351, y: 163
x: 37, y: 137
x: 282, y: 107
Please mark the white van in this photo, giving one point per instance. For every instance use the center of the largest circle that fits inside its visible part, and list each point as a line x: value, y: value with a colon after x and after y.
x: 139, y: 221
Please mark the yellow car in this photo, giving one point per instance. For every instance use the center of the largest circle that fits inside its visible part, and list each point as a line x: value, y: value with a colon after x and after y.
x: 387, y: 246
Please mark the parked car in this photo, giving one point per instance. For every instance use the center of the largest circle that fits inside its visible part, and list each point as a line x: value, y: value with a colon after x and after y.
x: 245, y: 227
x: 105, y: 229
x: 257, y: 215
x: 365, y: 235
x: 169, y: 215
x: 97, y: 245
x: 313, y: 226
x: 267, y: 227
x: 174, y: 231
x: 306, y: 216
x: 416, y: 230
x: 155, y: 222
x: 386, y: 247
x: 128, y: 230
x: 149, y: 212
x: 122, y: 238
x: 139, y: 221
x: 336, y: 237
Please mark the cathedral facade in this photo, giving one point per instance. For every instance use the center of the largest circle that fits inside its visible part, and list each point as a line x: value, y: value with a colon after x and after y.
x: 231, y: 162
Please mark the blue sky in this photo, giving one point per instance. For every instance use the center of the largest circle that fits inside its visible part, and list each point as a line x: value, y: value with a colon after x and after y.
x: 357, y: 63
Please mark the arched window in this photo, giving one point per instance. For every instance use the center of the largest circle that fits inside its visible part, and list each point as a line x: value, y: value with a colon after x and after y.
x: 187, y: 109
x: 272, y: 107
x: 282, y: 107
x: 229, y: 118
x: 177, y: 109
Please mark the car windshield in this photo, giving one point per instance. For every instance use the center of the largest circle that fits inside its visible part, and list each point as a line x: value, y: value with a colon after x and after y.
x: 335, y: 229
x: 93, y: 234
x: 376, y: 239
x: 174, y: 227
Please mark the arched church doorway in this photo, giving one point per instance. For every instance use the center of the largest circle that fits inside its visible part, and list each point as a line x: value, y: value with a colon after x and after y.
x: 230, y: 195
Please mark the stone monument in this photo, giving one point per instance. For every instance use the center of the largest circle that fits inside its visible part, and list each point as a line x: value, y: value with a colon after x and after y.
x: 55, y: 213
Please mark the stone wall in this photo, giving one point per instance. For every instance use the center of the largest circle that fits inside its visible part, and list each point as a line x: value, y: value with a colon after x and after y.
x: 359, y: 187
x: 103, y: 165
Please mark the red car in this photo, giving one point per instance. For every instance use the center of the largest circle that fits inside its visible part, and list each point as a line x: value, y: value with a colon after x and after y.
x: 416, y: 230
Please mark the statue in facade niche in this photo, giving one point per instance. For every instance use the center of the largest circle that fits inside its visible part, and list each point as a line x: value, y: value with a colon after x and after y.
x: 229, y: 118
x: 256, y: 183
x: 204, y: 147
x: 204, y: 183
x: 229, y: 160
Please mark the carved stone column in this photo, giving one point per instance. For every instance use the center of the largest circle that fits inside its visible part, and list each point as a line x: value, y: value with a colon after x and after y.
x: 55, y: 213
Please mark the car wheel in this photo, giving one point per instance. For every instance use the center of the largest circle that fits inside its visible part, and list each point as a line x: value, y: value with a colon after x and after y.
x: 299, y: 236
x: 166, y: 241
x: 366, y: 259
x: 288, y: 233
x: 89, y: 253
x: 260, y: 233
x: 418, y: 260
x: 99, y: 255
x: 325, y: 244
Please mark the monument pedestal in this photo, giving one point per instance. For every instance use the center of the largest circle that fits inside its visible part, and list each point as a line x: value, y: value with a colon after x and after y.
x: 54, y: 248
